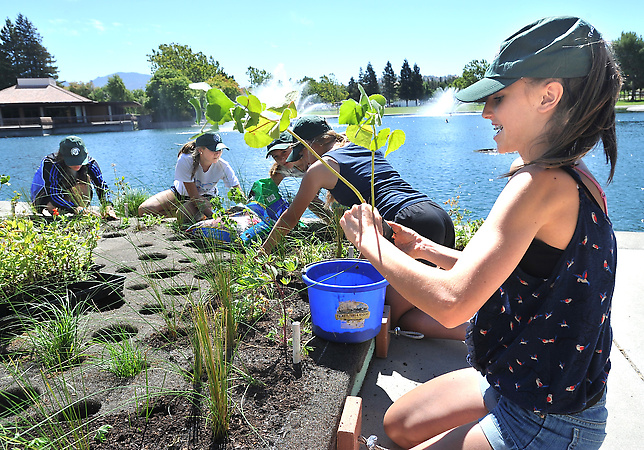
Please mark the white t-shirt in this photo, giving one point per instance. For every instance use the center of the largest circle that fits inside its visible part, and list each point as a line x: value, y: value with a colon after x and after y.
x: 206, y: 182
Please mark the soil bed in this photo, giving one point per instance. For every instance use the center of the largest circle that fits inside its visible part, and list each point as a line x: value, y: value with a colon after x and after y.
x: 273, y: 403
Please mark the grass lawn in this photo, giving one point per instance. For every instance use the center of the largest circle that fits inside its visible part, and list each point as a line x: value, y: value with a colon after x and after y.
x: 400, y: 110
x: 467, y: 107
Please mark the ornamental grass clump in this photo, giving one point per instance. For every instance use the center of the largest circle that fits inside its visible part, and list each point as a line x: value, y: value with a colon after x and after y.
x: 125, y: 358
x: 57, y: 341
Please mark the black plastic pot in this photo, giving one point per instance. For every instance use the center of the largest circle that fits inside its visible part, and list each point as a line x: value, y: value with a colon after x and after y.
x: 100, y: 292
x: 104, y: 291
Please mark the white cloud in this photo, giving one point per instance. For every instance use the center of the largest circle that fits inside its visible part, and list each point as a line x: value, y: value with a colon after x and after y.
x: 296, y: 18
x: 97, y: 24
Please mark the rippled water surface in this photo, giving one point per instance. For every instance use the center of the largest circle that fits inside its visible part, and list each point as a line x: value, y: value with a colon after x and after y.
x: 439, y: 157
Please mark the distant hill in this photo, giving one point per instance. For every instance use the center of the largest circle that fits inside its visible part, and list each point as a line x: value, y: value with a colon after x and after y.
x: 132, y: 80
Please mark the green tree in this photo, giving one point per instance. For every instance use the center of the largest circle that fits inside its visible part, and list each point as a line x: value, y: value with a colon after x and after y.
x: 258, y: 77
x: 370, y: 81
x: 406, y: 87
x: 22, y: 54
x: 472, y: 72
x: 353, y: 92
x: 99, y: 95
x: 629, y: 51
x: 389, y: 83
x: 197, y: 67
x: 417, y: 87
x: 168, y: 96
x: 328, y: 89
x: 226, y: 84
x: 83, y: 89
x: 116, y: 90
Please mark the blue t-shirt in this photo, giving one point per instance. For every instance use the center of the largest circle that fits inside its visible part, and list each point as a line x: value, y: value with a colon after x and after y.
x: 545, y: 343
x: 391, y: 191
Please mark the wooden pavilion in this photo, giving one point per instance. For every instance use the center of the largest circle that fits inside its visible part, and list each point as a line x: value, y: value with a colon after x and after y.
x: 37, y: 106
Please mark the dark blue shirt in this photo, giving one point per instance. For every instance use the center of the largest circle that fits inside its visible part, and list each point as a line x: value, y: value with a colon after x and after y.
x: 52, y: 179
x: 545, y: 343
x: 392, y: 193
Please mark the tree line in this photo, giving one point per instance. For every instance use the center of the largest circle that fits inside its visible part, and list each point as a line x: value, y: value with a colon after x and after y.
x: 174, y: 67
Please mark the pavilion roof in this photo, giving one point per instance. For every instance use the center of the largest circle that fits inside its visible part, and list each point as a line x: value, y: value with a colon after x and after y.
x: 39, y: 91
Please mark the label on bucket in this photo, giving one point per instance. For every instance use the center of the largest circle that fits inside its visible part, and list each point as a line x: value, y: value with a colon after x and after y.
x: 352, y: 314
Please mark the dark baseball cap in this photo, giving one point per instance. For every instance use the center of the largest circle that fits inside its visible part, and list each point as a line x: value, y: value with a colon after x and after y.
x: 283, y: 142
x: 212, y: 141
x: 307, y: 128
x: 552, y: 47
x: 73, y: 151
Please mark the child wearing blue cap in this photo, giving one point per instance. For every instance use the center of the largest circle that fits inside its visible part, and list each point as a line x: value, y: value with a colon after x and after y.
x: 537, y: 279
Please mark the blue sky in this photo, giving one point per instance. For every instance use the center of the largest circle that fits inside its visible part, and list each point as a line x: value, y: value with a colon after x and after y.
x: 89, y: 39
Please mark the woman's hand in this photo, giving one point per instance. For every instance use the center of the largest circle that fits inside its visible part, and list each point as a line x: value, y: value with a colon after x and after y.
x: 362, y: 224
x: 406, y: 239
x: 109, y: 213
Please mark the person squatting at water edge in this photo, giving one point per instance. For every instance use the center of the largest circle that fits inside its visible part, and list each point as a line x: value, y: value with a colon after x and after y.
x: 537, y: 279
x: 198, y: 170
x: 397, y: 200
x: 280, y: 149
x: 63, y: 181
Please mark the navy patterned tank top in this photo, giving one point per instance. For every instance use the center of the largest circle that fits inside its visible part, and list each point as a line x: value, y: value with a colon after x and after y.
x: 545, y: 343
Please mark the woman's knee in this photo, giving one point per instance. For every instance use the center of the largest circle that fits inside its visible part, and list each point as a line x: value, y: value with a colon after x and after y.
x: 394, y: 425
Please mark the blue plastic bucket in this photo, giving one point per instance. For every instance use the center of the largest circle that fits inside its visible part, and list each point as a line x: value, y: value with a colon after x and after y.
x: 346, y: 297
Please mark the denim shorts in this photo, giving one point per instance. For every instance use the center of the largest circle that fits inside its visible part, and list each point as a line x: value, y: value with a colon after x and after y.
x: 509, y: 426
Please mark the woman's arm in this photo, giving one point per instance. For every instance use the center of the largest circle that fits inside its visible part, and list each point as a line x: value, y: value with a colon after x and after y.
x: 95, y: 174
x: 316, y: 178
x: 275, y: 174
x: 534, y: 202
x: 200, y: 203
x: 419, y: 247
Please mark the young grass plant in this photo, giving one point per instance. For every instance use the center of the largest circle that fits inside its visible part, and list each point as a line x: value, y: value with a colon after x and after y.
x: 211, y: 335
x: 125, y: 358
x: 55, y: 335
x: 127, y: 196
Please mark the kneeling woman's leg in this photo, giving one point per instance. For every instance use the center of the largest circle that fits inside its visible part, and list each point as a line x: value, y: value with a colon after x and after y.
x: 408, y: 317
x: 164, y: 203
x: 439, y: 405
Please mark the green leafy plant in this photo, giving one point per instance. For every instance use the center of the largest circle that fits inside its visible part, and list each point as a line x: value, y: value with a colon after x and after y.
x: 101, y: 433
x: 260, y: 123
x: 464, y: 226
x: 4, y: 180
x: 45, y: 253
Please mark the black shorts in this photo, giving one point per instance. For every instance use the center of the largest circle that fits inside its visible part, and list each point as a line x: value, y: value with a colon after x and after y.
x: 429, y: 220
x: 184, y: 198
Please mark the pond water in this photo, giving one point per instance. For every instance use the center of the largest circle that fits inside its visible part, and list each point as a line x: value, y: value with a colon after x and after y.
x: 439, y: 158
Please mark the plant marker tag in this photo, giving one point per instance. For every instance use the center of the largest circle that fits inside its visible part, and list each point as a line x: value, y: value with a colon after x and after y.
x: 297, y: 353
